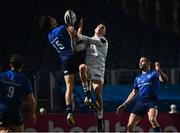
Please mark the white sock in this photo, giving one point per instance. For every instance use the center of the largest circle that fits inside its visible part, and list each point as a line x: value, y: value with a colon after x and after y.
x: 100, y: 114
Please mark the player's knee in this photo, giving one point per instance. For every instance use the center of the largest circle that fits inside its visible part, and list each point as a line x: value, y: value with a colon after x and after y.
x: 98, y: 91
x: 69, y: 87
x: 82, y: 67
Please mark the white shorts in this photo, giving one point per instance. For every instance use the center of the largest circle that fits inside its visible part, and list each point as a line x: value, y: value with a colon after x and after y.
x: 96, y: 73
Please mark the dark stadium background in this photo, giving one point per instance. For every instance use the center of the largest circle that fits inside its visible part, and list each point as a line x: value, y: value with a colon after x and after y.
x: 133, y: 29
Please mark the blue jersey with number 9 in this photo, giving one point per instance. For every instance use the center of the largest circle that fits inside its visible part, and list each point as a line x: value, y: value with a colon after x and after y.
x: 60, y: 39
x: 13, y: 86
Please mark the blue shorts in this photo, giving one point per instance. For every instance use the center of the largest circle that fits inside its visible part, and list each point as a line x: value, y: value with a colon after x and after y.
x: 11, y: 119
x: 141, y: 108
x: 71, y: 66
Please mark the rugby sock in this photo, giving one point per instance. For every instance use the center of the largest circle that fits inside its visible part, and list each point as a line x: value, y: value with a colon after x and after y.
x: 69, y: 108
x: 100, y: 114
x: 156, y: 129
x: 85, y: 86
x: 86, y: 89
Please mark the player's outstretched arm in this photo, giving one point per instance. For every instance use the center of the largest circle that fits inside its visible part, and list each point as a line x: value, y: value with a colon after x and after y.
x: 90, y: 40
x: 79, y: 46
x: 79, y: 41
x: 80, y: 26
x: 76, y: 44
x: 130, y: 98
x: 162, y: 77
x: 83, y: 41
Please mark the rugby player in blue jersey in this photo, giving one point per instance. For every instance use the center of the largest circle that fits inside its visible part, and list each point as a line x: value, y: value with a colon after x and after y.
x: 67, y: 42
x: 145, y: 87
x: 14, y: 85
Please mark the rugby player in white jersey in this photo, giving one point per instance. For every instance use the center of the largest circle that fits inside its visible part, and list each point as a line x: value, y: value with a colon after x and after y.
x: 94, y: 70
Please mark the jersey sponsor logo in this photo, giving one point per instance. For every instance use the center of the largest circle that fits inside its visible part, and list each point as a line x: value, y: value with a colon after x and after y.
x: 11, y: 83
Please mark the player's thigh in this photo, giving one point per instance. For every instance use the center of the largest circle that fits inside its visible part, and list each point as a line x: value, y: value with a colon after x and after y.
x: 84, y: 70
x: 152, y: 113
x: 134, y: 119
x: 97, y: 77
x: 88, y: 72
x: 83, y: 67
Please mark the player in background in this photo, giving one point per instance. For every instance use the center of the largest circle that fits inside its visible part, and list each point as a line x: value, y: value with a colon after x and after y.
x: 67, y: 44
x: 94, y: 69
x: 14, y: 85
x: 145, y: 85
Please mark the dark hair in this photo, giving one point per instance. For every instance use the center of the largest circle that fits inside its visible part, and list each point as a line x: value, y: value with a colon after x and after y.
x: 148, y: 58
x: 102, y: 24
x: 44, y: 22
x: 145, y: 56
x: 16, y: 61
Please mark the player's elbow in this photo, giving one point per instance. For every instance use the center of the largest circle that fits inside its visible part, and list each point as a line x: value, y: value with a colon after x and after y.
x: 163, y: 79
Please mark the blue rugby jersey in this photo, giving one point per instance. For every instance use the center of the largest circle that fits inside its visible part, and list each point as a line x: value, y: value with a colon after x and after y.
x: 60, y: 39
x: 13, y: 86
x: 147, y: 84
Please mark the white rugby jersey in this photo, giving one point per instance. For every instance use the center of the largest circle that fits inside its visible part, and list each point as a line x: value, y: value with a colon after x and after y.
x: 96, y: 55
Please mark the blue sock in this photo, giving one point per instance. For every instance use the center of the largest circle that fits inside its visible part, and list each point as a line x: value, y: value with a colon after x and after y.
x: 69, y: 108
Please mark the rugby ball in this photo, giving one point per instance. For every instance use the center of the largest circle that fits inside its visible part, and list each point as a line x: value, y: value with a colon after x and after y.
x: 42, y: 110
x: 70, y: 17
